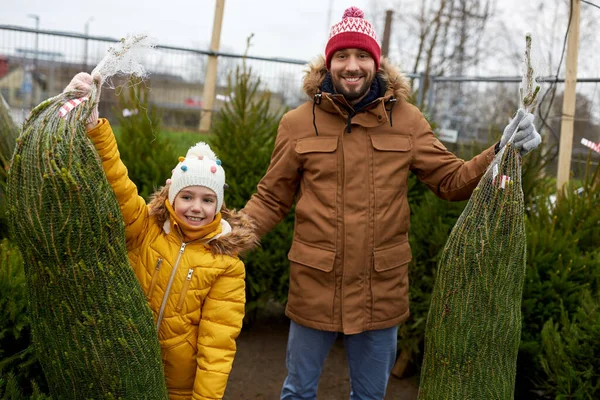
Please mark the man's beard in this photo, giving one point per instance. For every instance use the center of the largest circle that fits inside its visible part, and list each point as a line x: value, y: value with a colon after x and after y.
x: 354, y: 95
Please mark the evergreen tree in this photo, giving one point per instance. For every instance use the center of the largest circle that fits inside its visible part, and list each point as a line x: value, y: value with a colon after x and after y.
x: 243, y: 136
x: 148, y: 155
x: 571, y: 352
x: 8, y: 137
x: 18, y: 362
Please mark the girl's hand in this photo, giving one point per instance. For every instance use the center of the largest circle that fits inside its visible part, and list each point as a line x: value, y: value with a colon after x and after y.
x: 81, y: 86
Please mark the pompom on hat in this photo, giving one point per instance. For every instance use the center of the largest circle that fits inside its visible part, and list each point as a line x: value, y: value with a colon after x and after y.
x: 200, y: 167
x: 353, y: 32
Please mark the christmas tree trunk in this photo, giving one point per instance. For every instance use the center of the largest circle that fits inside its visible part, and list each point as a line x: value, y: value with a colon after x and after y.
x: 92, y: 328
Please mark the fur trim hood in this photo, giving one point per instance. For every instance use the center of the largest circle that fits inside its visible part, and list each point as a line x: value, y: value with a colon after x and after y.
x: 397, y: 84
x: 240, y: 239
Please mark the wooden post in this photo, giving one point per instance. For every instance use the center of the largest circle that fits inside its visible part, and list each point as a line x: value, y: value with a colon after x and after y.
x: 568, y: 111
x: 210, y: 80
x: 385, y: 43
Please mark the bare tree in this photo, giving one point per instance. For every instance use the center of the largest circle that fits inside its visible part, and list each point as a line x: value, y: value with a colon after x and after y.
x: 442, y: 36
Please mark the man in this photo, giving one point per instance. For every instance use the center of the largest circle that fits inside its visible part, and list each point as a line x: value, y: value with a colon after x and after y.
x: 344, y: 157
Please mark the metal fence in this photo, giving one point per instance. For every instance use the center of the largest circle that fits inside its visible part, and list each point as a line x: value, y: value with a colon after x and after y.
x: 37, y: 64
x: 476, y: 109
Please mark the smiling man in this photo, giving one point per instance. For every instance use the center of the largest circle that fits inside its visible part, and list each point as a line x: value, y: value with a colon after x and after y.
x: 352, y: 71
x: 344, y: 157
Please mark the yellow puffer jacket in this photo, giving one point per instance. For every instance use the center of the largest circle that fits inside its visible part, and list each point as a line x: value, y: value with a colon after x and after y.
x: 196, y: 290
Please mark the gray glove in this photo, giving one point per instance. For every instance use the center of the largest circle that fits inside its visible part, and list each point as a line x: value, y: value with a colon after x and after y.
x: 527, y: 137
x: 81, y: 85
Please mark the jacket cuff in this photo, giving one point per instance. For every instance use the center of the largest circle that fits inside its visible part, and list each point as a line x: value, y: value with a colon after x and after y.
x: 101, y: 126
x: 100, y: 132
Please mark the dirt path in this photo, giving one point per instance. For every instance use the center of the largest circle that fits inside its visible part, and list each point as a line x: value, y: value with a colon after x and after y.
x: 259, y: 367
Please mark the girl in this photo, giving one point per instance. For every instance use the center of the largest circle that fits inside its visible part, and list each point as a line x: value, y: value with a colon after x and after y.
x: 183, y: 247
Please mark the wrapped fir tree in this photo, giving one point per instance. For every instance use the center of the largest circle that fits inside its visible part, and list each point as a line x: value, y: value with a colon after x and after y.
x: 92, y: 328
x: 474, y: 323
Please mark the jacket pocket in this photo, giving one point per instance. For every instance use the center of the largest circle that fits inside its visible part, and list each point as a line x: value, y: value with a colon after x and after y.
x: 154, y: 279
x: 391, y: 160
x: 317, y: 157
x: 389, y: 282
x: 312, y: 257
x: 391, y: 143
x: 312, y: 282
x: 184, y: 289
x: 179, y: 361
x: 325, y: 144
x: 392, y: 257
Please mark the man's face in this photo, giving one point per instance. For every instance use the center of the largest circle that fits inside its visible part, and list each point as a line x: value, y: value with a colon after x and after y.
x: 352, y: 71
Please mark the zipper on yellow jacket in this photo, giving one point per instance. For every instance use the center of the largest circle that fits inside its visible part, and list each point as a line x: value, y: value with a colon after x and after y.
x: 184, y: 290
x: 166, y: 296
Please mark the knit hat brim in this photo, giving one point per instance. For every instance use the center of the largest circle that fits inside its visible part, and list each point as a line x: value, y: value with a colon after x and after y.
x: 352, y: 40
x: 200, y: 167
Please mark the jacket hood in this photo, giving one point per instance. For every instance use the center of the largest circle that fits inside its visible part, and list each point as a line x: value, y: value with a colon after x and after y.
x: 240, y: 239
x: 397, y: 84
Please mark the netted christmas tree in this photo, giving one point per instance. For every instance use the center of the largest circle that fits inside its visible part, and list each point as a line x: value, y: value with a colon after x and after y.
x: 474, y: 323
x: 92, y: 328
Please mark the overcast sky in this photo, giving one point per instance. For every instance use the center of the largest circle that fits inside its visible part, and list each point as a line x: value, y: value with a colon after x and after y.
x: 295, y: 29
x: 288, y: 29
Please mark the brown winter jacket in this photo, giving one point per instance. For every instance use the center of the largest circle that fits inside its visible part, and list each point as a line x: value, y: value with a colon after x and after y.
x: 350, y: 252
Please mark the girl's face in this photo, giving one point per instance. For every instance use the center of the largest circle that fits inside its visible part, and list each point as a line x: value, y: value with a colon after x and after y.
x: 196, y: 205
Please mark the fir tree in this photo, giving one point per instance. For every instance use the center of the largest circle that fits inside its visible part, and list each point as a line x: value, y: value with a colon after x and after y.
x: 243, y: 135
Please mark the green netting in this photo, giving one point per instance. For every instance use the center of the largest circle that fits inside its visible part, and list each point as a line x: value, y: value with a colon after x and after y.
x: 92, y: 328
x: 474, y: 323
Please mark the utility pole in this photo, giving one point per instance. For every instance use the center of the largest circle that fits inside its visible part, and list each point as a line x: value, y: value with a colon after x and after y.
x: 568, y: 111
x: 37, y: 36
x: 35, y: 55
x: 385, y: 43
x: 210, y: 80
x: 328, y: 22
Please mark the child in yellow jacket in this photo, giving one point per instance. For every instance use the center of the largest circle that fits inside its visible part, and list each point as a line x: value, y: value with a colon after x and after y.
x: 183, y: 247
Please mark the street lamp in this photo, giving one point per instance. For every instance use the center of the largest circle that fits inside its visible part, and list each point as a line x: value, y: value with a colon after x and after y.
x: 87, y: 32
x: 35, y: 55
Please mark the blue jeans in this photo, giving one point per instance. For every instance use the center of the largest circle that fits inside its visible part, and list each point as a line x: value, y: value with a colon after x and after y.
x: 371, y: 356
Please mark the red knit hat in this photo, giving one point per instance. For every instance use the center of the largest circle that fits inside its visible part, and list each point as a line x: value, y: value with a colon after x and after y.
x: 353, y: 32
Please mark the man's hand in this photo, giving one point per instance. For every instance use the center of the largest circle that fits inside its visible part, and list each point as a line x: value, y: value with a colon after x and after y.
x: 81, y: 86
x: 527, y: 137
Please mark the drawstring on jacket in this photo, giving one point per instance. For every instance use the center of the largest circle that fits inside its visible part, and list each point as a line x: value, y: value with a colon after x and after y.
x: 316, y: 101
x: 349, y: 122
x: 392, y: 101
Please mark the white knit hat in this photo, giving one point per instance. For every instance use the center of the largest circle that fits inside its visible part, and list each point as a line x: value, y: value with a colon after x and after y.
x: 200, y: 167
